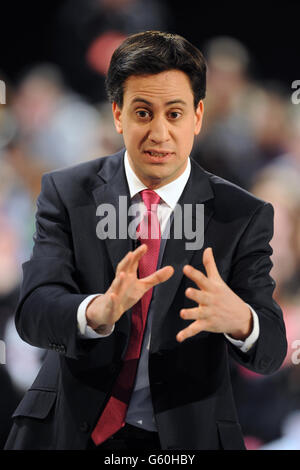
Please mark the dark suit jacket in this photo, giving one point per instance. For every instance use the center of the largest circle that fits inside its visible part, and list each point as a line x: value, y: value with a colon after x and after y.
x: 190, y: 383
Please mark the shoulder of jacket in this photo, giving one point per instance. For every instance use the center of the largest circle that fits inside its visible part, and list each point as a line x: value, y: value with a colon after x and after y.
x: 233, y: 199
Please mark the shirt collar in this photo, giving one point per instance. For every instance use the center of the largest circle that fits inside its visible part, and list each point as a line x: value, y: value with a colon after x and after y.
x: 170, y: 193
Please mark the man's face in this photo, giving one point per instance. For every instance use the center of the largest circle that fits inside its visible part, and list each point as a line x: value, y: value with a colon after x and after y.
x: 158, y: 121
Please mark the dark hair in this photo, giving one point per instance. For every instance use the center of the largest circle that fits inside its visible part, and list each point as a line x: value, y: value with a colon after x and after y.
x: 152, y: 52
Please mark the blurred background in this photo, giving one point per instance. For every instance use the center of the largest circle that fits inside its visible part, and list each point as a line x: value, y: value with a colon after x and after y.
x: 53, y: 60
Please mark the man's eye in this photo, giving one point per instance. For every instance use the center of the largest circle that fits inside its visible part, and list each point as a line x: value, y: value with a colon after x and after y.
x: 175, y: 115
x: 143, y: 114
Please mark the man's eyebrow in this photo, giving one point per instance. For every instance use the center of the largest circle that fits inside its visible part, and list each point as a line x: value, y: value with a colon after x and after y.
x: 141, y: 100
x: 176, y: 102
x: 168, y: 103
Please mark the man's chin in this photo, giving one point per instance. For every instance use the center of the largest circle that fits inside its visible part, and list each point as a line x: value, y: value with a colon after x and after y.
x: 156, y: 179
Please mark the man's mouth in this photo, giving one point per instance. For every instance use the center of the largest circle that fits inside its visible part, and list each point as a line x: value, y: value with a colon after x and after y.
x: 158, y: 154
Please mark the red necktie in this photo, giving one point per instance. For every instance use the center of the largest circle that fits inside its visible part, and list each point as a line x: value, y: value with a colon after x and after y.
x: 113, y: 417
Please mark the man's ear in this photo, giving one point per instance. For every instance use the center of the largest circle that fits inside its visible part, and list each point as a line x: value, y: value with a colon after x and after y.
x: 198, y: 117
x: 117, y: 114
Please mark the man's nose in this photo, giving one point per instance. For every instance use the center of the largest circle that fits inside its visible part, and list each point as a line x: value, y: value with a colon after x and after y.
x: 158, y: 130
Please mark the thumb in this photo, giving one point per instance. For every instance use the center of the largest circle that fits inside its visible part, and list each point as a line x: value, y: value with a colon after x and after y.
x: 162, y: 275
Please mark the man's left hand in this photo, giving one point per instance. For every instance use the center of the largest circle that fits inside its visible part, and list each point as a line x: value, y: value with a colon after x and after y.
x: 219, y: 309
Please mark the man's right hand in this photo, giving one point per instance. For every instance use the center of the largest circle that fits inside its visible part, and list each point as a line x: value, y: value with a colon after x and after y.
x: 125, y: 291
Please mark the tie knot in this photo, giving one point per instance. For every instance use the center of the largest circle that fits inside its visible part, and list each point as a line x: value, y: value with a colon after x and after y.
x: 150, y: 198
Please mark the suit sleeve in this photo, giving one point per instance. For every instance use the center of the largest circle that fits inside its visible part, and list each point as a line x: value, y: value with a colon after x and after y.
x: 250, y: 279
x: 46, y: 315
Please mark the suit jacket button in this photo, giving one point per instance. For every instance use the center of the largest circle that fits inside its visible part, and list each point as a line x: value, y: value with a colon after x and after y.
x: 113, y: 368
x: 84, y: 426
x: 264, y: 362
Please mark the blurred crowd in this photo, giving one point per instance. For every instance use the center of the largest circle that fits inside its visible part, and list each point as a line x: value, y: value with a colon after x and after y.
x: 57, y: 115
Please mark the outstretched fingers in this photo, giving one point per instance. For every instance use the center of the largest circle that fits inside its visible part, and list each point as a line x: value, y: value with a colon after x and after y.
x: 137, y: 254
x: 124, y: 263
x: 201, y: 281
x: 162, y: 275
x: 192, y: 330
x: 131, y: 260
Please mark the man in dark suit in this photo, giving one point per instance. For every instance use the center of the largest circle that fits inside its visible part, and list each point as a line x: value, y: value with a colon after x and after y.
x: 83, y: 293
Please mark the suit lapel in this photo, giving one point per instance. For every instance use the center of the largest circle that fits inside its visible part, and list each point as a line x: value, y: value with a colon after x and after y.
x: 197, y: 191
x: 113, y: 190
x: 113, y: 184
